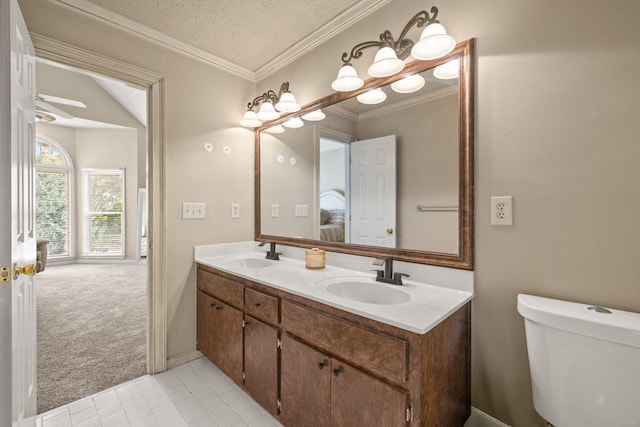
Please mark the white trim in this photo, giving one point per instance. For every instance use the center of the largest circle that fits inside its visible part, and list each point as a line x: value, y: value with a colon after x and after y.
x: 184, y: 357
x: 338, y: 24
x: 156, y: 296
x: 341, y: 22
x: 481, y: 419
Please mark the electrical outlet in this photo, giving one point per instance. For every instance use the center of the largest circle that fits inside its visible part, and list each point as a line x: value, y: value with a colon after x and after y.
x: 235, y: 210
x: 501, y: 210
x: 274, y: 210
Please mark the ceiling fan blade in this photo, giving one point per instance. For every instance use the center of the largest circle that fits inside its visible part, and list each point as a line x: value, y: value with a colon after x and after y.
x: 63, y: 101
x: 55, y: 110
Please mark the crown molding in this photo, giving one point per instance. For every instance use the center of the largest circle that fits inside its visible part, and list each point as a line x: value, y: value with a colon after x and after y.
x: 338, y: 24
x: 157, y: 37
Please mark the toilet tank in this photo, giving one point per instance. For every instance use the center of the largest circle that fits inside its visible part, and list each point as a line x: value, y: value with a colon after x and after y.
x: 584, y: 363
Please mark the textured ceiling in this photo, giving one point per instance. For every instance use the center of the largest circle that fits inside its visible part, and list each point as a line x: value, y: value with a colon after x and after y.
x: 249, y: 33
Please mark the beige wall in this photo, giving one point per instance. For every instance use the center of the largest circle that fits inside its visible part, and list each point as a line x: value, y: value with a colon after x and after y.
x: 556, y: 127
x: 203, y: 104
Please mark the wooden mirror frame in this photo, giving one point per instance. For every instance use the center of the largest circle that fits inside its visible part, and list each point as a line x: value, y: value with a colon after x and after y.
x: 464, y: 259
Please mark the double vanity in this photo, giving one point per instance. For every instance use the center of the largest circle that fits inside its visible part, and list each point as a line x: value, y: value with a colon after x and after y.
x: 335, y: 347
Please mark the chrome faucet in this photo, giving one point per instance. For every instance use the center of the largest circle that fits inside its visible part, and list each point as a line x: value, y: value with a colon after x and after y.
x: 387, y: 275
x: 271, y: 253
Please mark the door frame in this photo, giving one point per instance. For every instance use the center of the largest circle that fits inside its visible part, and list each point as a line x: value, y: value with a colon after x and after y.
x: 63, y: 53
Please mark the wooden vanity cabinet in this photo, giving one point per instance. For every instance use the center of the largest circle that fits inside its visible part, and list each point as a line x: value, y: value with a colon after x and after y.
x: 334, y: 368
x: 318, y: 390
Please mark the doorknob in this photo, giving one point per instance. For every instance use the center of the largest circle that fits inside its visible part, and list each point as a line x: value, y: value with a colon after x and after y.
x: 29, y: 270
x: 389, y: 230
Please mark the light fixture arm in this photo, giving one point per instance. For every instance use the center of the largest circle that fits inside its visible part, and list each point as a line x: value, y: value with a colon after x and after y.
x: 269, y: 95
x: 403, y: 45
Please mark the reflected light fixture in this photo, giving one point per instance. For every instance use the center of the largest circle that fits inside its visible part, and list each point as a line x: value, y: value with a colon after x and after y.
x: 294, y: 123
x: 448, y: 70
x: 275, y: 129
x: 270, y: 104
x: 409, y: 84
x: 389, y: 60
x: 374, y: 96
x: 314, y: 116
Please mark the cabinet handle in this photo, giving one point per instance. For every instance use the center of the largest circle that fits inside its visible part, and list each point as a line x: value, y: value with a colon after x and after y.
x: 322, y: 364
x: 219, y: 307
x: 336, y: 371
x: 258, y: 304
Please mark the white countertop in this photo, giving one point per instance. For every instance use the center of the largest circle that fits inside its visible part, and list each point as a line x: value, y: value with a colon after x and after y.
x: 428, y: 304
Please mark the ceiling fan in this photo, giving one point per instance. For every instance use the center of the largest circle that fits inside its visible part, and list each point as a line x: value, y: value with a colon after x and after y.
x: 48, y: 113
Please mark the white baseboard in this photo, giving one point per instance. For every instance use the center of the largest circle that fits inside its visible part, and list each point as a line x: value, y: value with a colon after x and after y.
x: 480, y: 419
x: 183, y: 357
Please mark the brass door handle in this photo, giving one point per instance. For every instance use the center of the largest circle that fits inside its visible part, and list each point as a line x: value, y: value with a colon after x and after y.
x: 29, y: 270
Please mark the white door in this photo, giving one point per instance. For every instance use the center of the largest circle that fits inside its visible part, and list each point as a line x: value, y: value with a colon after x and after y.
x: 17, y: 220
x: 373, y: 192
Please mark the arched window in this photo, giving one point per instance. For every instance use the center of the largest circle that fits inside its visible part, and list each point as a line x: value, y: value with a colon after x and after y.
x: 54, y: 175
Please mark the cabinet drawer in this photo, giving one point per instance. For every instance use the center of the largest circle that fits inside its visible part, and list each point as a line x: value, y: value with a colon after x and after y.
x: 377, y: 352
x: 261, y: 306
x: 224, y: 289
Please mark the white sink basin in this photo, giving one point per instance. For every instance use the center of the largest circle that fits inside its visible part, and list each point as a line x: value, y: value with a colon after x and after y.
x: 250, y: 263
x: 365, y: 290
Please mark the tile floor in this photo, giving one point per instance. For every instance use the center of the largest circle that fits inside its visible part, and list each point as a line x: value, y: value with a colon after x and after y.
x: 196, y: 394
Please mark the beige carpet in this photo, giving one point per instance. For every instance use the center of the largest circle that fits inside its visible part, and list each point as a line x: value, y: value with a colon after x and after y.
x: 91, y: 329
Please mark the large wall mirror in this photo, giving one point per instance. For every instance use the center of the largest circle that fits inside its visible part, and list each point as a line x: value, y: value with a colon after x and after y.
x: 393, y: 178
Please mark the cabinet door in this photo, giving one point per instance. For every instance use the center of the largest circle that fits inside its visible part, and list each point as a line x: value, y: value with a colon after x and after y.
x: 358, y: 399
x: 220, y: 335
x: 305, y: 382
x: 261, y: 363
x: 204, y: 324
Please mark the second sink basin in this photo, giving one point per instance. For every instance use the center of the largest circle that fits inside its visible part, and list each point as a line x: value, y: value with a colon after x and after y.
x: 365, y: 290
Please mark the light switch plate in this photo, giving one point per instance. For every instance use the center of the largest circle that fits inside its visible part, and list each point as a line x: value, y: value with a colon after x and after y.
x: 235, y: 210
x: 301, y: 210
x: 274, y: 210
x: 193, y: 210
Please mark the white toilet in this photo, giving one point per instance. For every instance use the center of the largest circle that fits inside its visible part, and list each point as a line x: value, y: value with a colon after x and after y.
x: 584, y: 362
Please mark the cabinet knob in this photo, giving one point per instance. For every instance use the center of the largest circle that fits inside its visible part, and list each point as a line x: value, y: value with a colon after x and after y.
x: 258, y: 304
x: 322, y: 364
x: 336, y: 371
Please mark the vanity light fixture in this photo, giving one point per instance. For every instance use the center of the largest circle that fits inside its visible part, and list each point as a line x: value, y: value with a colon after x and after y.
x: 374, y: 96
x: 409, y: 84
x: 389, y: 60
x: 315, y: 115
x: 448, y: 70
x: 270, y: 104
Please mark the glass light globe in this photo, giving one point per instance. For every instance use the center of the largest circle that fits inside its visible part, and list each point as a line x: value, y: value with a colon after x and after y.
x: 386, y: 63
x: 434, y: 43
x: 267, y: 112
x: 347, y: 80
x: 250, y: 120
x: 287, y: 103
x: 275, y: 129
x: 294, y: 123
x: 315, y: 115
x: 448, y: 70
x: 409, y: 84
x: 374, y: 96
